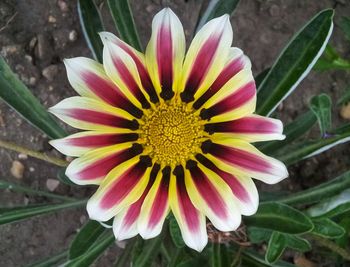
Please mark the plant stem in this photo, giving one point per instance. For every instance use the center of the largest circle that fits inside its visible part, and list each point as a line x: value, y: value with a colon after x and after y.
x: 23, y: 189
x: 332, y: 246
x: 165, y: 253
x: 216, y: 257
x: 33, y: 153
x: 237, y: 258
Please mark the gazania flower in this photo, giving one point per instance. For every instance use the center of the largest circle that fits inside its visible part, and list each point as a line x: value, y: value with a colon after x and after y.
x: 168, y: 132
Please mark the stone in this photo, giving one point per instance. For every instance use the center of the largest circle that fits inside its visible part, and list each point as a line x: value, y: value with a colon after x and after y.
x: 63, y: 5
x: 345, y: 111
x: 50, y: 72
x: 73, y: 35
x: 52, y: 184
x: 17, y: 169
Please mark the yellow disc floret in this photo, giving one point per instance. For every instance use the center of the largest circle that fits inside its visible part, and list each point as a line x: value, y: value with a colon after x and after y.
x: 171, y: 133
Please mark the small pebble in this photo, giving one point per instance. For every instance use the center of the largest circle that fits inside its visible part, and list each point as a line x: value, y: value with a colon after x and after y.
x: 52, y: 19
x: 82, y: 219
x: 301, y: 261
x: 17, y: 169
x: 50, y: 72
x: 345, y: 111
x: 32, y: 81
x: 33, y: 43
x: 62, y: 5
x: 52, y: 184
x: 274, y: 10
x: 73, y: 35
x: 31, y: 169
x: 22, y: 156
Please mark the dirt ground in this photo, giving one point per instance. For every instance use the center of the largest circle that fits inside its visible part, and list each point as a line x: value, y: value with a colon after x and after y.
x: 41, y: 33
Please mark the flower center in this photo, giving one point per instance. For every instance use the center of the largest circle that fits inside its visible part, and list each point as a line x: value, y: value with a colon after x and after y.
x: 171, y: 134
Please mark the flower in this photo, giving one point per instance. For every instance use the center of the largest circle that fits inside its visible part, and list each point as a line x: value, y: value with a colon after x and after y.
x: 167, y: 132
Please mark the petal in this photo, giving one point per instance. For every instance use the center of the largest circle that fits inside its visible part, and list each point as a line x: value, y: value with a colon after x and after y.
x: 191, y: 221
x: 251, y: 128
x: 165, y: 52
x: 237, y: 62
x: 78, y: 144
x: 125, y: 222
x: 155, y: 207
x: 90, y: 114
x: 92, y: 167
x: 140, y: 63
x: 89, y: 79
x: 123, y: 186
x: 206, y: 57
x: 236, y: 99
x: 245, y: 159
x: 122, y: 70
x: 211, y: 195
x: 242, y: 186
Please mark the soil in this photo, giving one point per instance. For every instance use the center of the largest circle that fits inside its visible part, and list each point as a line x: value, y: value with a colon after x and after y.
x: 35, y: 35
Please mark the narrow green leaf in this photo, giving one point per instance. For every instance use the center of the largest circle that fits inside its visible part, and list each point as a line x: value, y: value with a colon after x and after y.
x: 275, y: 248
x: 295, y: 62
x: 85, y: 239
x: 123, y: 259
x: 124, y: 22
x: 306, y: 149
x: 333, y: 206
x: 280, y: 217
x: 175, y: 232
x: 19, y: 97
x: 345, y: 26
x: 252, y: 259
x: 93, y: 253
x: 320, y: 192
x: 297, y: 243
x: 51, y: 261
x: 29, y: 191
x: 216, y: 255
x: 91, y: 24
x: 216, y: 8
x: 327, y: 228
x: 149, y: 252
x: 345, y: 97
x: 257, y: 235
x: 14, y: 215
x: 321, y: 106
x: 292, y: 131
x: 261, y: 76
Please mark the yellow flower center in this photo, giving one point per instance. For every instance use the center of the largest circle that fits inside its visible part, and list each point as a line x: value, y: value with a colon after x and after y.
x: 171, y: 134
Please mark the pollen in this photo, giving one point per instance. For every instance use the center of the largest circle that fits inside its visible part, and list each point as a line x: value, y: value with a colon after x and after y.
x: 171, y: 133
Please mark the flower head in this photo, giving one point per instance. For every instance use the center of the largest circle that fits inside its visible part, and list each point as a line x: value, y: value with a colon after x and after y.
x: 167, y: 132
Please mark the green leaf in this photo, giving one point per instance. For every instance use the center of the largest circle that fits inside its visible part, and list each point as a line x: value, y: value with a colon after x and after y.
x: 257, y: 235
x: 306, y: 149
x: 14, y: 215
x: 333, y: 206
x: 297, y: 243
x: 292, y: 131
x: 19, y: 97
x: 91, y: 24
x: 148, y: 253
x: 252, y: 259
x: 321, y: 106
x: 295, y: 62
x: 216, y: 8
x: 51, y: 261
x: 85, y: 239
x: 345, y: 97
x: 199, y: 261
x: 261, y: 76
x: 216, y: 260
x: 93, y: 253
x: 124, y: 22
x: 275, y: 248
x: 280, y: 217
x: 29, y: 191
x: 175, y: 232
x: 320, y: 192
x: 327, y: 228
x: 345, y: 26
x: 123, y: 259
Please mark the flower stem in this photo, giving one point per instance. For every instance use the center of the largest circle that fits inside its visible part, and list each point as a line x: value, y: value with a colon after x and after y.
x: 33, y: 153
x: 332, y: 246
